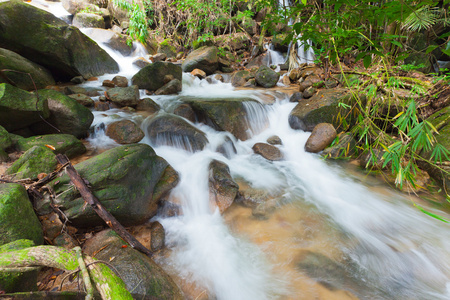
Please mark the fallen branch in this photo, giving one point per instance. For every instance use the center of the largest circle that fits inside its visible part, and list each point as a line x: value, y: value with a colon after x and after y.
x: 109, y: 219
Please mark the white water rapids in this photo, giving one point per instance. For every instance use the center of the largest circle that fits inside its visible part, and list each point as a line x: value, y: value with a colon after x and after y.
x: 382, y: 247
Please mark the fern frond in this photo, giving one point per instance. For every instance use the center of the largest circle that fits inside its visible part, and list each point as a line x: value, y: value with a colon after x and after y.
x: 422, y: 18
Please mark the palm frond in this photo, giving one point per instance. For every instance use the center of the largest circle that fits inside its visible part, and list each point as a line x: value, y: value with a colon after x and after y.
x: 422, y: 18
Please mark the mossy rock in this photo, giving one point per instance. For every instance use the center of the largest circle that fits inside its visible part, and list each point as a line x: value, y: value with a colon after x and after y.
x: 156, y: 75
x: 128, y: 180
x: 239, y: 78
x: 64, y: 143
x: 228, y: 114
x: 17, y: 217
x: 204, y: 58
x: 124, y: 96
x: 28, y: 71
x: 88, y: 20
x: 266, y: 77
x: 324, y: 107
x: 51, y: 42
x: 280, y: 42
x: 36, y: 160
x: 66, y: 114
x: 167, y: 48
x: 140, y: 273
x: 18, y: 281
x: 19, y: 108
x: 5, y: 139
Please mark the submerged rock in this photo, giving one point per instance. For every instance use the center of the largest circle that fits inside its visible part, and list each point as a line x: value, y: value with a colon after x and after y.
x: 51, y: 43
x: 174, y: 131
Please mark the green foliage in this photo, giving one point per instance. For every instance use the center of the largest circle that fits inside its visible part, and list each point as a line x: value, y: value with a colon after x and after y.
x: 138, y: 29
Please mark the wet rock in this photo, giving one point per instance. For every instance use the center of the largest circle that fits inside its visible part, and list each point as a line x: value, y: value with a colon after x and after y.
x: 17, y: 217
x: 227, y: 148
x: 222, y: 188
x: 226, y: 114
x: 294, y: 75
x: 266, y: 77
x: 309, y: 92
x: 308, y: 71
x: 280, y: 42
x: 83, y: 99
x: 152, y: 76
x: 5, y: 139
x: 124, y: 96
x: 125, y: 132
x: 296, y: 97
x: 250, y: 83
x: 322, y: 136
x: 19, y: 279
x: 19, y: 108
x: 65, y: 240
x: 311, y: 81
x: 64, y: 143
x: 77, y: 80
x: 264, y: 209
x: 170, y: 88
x: 120, y: 81
x: 108, y: 83
x: 323, y: 107
x: 239, y: 78
x: 36, y: 160
x: 174, y: 131
x: 88, y: 20
x: 158, y: 57
x: 267, y: 151
x: 12, y: 61
x: 140, y: 274
x: 91, y: 92
x: 158, y: 236
x: 66, y: 114
x: 148, y: 105
x: 286, y: 81
x: 198, y: 73
x: 141, y: 62
x: 51, y: 43
x: 128, y: 180
x: 274, y: 140
x: 204, y: 58
x: 185, y: 111
x: 101, y: 106
x: 345, y: 147
x: 167, y: 48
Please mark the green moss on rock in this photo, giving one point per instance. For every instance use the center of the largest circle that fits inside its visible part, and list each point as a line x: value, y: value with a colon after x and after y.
x: 36, y: 160
x: 64, y: 143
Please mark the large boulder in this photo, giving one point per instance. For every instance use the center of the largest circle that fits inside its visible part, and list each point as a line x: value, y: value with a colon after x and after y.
x: 66, y: 114
x: 51, y: 43
x: 124, y: 96
x: 204, y: 58
x: 141, y: 275
x: 222, y: 188
x: 156, y: 75
x: 29, y: 75
x: 266, y: 77
x: 323, y: 107
x: 63, y: 143
x: 125, y: 132
x: 19, y: 108
x: 17, y: 217
x: 322, y: 136
x: 174, y: 131
x: 74, y: 6
x: 228, y: 114
x: 34, y: 161
x: 128, y: 180
x: 110, y: 38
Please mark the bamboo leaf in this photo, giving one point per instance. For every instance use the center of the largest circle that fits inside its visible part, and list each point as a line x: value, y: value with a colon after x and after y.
x: 433, y: 215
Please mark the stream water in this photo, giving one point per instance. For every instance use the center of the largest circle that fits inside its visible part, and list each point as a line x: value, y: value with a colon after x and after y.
x: 326, y: 233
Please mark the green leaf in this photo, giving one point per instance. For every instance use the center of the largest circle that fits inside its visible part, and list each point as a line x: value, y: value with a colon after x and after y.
x: 367, y: 61
x: 431, y: 48
x: 397, y: 43
x: 431, y: 214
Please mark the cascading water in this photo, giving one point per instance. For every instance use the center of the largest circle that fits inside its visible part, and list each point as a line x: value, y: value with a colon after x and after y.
x: 327, y: 236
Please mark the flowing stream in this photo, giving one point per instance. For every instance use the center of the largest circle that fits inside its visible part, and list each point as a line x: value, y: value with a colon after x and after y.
x: 325, y: 232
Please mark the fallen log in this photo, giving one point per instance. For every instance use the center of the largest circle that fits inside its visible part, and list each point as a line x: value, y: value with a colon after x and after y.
x: 109, y: 219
